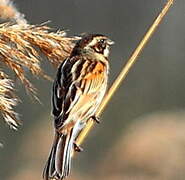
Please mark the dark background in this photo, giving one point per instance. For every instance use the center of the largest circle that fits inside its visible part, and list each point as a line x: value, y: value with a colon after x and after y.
x: 150, y: 103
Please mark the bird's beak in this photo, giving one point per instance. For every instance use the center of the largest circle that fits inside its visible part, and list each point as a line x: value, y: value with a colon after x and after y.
x: 110, y: 42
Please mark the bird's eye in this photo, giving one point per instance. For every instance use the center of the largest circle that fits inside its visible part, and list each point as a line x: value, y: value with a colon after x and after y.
x: 102, y: 41
x: 100, y: 46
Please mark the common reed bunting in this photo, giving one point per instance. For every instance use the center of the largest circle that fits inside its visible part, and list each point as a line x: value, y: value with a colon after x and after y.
x: 78, y: 90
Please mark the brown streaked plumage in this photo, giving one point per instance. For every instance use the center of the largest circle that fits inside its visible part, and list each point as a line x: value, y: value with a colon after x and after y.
x: 78, y: 90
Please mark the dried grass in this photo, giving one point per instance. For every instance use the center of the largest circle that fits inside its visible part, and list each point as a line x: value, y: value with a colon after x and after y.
x: 20, y: 47
x: 9, y: 12
x: 8, y: 100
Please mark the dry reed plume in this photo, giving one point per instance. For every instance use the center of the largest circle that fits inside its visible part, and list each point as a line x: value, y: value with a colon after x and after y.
x: 20, y: 47
x: 10, y: 13
x: 8, y: 100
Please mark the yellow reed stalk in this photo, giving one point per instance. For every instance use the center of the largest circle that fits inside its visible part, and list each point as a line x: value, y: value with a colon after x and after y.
x: 126, y: 69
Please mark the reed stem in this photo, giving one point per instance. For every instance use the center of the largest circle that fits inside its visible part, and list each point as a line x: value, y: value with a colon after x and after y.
x: 126, y: 69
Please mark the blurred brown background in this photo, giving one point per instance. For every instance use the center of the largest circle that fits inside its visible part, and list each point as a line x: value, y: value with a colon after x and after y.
x: 142, y: 134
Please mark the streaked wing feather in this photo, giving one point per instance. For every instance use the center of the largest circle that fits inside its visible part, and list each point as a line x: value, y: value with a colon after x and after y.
x: 78, y: 81
x: 65, y: 90
x: 91, y: 86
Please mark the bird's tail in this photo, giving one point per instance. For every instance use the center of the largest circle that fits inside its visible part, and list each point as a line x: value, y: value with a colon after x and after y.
x: 59, y: 162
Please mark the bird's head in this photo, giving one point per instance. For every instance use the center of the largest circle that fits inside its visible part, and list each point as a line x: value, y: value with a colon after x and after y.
x: 94, y: 44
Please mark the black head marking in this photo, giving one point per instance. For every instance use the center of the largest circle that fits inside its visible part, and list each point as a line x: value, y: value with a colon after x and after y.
x: 86, y: 40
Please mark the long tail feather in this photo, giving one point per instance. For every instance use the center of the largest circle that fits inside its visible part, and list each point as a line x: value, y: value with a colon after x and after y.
x: 63, y: 155
x: 59, y: 162
x: 49, y: 169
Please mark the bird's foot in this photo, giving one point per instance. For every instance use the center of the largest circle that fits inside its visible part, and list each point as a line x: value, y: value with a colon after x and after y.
x: 77, y: 148
x: 96, y: 119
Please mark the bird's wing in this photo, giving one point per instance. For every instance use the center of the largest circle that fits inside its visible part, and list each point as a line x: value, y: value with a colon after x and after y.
x: 78, y: 82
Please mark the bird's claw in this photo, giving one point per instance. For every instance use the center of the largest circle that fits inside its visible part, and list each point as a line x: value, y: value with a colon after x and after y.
x: 77, y: 148
x: 96, y: 119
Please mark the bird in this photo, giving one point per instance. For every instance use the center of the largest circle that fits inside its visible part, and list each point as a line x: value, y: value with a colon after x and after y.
x: 78, y: 90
